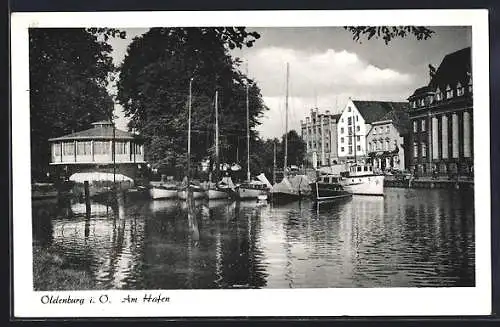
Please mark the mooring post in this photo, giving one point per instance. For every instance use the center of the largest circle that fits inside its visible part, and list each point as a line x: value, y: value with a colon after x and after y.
x: 87, y: 197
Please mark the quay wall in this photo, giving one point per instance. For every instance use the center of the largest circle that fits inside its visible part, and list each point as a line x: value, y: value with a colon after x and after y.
x: 429, y: 183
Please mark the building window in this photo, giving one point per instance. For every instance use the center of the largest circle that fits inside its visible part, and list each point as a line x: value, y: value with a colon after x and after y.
x: 439, y: 95
x: 424, y: 149
x: 83, y: 148
x: 357, y: 128
x: 342, y: 130
x: 349, y: 130
x: 387, y: 129
x: 423, y: 125
x: 56, y: 149
x: 349, y: 109
x: 413, y: 104
x: 357, y: 118
x: 370, y: 146
x: 449, y: 92
x: 138, y: 149
x: 357, y: 138
x: 350, y: 149
x: 341, y: 140
x: 387, y: 145
x: 430, y: 98
x: 349, y: 121
x: 68, y: 148
x: 422, y: 102
x: 460, y: 89
x: 101, y: 147
x: 358, y: 148
x: 415, y: 126
x: 342, y: 149
x: 326, y: 145
x: 415, y: 150
x: 374, y: 130
x: 121, y: 148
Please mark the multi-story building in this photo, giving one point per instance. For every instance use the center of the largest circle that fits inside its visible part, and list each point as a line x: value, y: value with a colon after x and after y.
x: 441, y: 133
x: 386, y: 141
x: 354, y: 124
x: 319, y: 132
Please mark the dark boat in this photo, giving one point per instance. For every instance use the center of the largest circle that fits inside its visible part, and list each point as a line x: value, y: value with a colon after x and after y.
x: 327, y: 187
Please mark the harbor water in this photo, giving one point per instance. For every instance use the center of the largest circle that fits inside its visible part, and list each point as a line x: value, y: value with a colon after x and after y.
x: 408, y: 238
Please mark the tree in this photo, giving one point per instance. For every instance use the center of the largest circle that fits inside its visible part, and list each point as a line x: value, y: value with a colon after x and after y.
x: 154, y: 91
x: 296, y: 149
x: 69, y: 71
x: 388, y: 33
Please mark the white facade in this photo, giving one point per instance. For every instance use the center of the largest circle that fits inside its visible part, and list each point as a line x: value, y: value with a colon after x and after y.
x: 351, y: 133
x: 319, y: 132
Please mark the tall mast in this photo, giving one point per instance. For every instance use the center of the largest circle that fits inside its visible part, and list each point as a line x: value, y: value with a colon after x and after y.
x: 274, y: 162
x: 286, y: 120
x: 248, y: 128
x: 216, y: 136
x: 189, y: 131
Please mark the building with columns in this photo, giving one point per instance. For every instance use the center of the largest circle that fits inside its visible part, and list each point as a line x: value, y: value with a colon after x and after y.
x: 91, y: 152
x: 441, y: 119
x: 356, y: 122
x: 319, y: 132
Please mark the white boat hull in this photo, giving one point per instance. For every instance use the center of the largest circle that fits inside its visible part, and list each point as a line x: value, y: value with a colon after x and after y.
x: 247, y: 193
x: 161, y: 193
x: 364, y: 185
x: 217, y: 194
x: 196, y: 195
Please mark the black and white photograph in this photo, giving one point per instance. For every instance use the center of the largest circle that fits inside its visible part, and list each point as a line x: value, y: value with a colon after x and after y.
x: 254, y: 158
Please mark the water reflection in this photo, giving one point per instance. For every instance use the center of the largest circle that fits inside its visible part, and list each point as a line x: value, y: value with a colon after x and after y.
x: 406, y: 238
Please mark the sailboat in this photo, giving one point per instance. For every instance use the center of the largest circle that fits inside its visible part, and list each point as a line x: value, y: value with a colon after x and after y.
x: 187, y: 186
x: 223, y: 189
x: 251, y: 189
x: 283, y: 191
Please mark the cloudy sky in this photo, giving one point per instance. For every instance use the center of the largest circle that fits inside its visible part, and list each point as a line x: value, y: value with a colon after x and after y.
x: 327, y: 67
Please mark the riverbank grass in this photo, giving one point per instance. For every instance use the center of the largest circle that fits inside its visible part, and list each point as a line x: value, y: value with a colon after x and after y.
x: 51, y: 273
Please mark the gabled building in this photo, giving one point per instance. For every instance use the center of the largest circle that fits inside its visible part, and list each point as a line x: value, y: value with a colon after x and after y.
x: 441, y: 133
x: 387, y: 140
x: 319, y: 132
x: 356, y: 122
x: 91, y: 152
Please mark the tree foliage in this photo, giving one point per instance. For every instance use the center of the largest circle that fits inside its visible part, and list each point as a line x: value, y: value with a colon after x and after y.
x: 388, y: 33
x: 154, y: 91
x: 69, y: 72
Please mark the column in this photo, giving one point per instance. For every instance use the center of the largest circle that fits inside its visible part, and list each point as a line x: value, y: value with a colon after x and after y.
x: 435, y: 152
x: 111, y: 149
x: 454, y: 135
x: 444, y: 136
x: 92, y: 149
x: 467, y: 135
x: 322, y: 141
x: 74, y: 149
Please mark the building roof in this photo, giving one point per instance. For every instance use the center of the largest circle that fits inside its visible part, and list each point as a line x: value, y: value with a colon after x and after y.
x: 375, y: 110
x: 421, y: 91
x: 336, y: 116
x: 455, y: 67
x: 99, y: 132
x: 400, y: 119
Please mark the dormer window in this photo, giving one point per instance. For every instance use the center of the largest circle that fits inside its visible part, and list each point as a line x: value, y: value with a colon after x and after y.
x: 470, y: 83
x: 431, y: 99
x: 414, y: 104
x: 449, y: 92
x: 422, y: 102
x: 439, y: 95
x: 460, y: 89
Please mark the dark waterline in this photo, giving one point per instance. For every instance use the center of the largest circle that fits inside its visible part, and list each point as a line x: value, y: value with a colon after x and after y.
x: 408, y: 238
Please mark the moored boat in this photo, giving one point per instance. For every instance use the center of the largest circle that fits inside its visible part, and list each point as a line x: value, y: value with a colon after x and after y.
x: 361, y: 180
x: 163, y: 191
x: 251, y: 190
x: 198, y: 192
x: 328, y: 187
